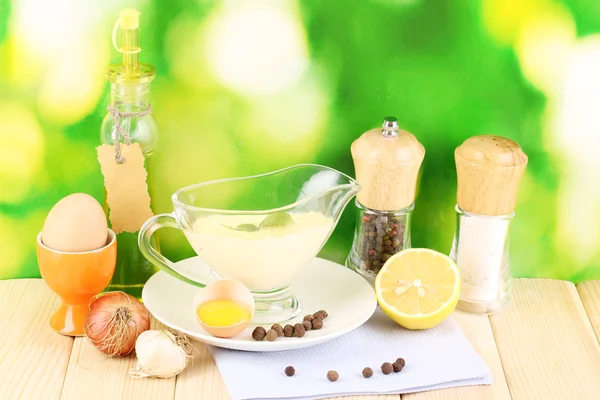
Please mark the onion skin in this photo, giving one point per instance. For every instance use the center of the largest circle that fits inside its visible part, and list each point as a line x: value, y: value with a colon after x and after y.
x: 114, y: 322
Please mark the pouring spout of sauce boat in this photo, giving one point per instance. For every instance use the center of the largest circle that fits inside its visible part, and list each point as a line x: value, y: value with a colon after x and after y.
x: 327, y: 191
x: 340, y: 197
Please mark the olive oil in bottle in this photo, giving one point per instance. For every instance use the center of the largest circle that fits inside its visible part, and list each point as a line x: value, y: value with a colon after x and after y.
x: 130, y: 120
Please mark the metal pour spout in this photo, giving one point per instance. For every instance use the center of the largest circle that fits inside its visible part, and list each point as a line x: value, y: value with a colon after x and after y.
x: 389, y: 127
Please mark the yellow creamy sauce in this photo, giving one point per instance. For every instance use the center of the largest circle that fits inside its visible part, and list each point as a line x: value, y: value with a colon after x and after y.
x: 223, y: 312
x: 263, y: 260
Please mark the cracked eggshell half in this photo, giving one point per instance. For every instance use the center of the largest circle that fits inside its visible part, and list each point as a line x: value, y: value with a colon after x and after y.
x: 225, y: 289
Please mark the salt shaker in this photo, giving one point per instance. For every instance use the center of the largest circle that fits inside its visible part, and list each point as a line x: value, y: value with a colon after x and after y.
x: 387, y: 161
x: 489, y: 170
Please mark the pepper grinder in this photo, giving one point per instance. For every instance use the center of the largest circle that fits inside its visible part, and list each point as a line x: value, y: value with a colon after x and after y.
x: 489, y: 169
x: 387, y: 162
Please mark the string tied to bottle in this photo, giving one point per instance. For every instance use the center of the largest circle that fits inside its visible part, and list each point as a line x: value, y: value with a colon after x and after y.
x: 120, y: 132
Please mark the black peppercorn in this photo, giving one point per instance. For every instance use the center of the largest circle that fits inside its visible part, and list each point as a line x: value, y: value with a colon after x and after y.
x: 299, y: 330
x: 290, y: 371
x: 259, y: 333
x: 307, y: 325
x: 309, y: 317
x: 317, y: 323
x: 333, y: 376
x: 272, y: 335
x: 277, y: 328
x: 367, y: 372
x: 381, y: 237
x: 288, y: 331
x: 386, y: 368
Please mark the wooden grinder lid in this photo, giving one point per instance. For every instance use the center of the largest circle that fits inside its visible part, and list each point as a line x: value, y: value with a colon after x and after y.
x: 387, y: 162
x: 489, y: 169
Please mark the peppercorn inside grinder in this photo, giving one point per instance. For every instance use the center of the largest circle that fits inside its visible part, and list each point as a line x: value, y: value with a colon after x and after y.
x: 489, y: 169
x: 387, y: 162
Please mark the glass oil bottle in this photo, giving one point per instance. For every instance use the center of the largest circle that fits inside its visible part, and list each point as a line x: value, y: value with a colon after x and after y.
x: 130, y: 100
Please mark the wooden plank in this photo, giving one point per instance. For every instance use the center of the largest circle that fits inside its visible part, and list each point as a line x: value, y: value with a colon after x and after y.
x: 93, y: 375
x: 33, y: 358
x: 546, y: 343
x: 201, y: 379
x: 478, y: 330
x: 590, y: 296
x: 545, y: 340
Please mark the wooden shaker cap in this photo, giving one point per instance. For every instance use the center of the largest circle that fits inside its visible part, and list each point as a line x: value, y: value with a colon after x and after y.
x: 489, y: 169
x: 387, y: 167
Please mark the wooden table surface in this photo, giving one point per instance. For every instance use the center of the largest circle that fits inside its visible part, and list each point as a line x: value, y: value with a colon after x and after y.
x: 545, y: 345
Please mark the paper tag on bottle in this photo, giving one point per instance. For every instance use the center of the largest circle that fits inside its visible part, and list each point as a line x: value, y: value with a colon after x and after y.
x: 126, y: 188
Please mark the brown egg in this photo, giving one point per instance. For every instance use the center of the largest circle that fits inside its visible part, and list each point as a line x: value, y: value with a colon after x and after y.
x: 76, y: 223
x: 225, y: 289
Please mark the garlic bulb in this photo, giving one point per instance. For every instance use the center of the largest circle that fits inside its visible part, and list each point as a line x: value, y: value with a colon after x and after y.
x: 161, y: 354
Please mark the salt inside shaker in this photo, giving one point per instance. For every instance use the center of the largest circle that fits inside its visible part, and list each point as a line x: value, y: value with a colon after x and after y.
x: 489, y: 170
x: 387, y: 162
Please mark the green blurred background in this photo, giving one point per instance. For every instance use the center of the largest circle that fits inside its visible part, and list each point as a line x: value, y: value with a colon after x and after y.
x: 246, y: 87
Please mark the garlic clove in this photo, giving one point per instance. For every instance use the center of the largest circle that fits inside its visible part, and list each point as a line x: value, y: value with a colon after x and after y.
x: 161, y: 354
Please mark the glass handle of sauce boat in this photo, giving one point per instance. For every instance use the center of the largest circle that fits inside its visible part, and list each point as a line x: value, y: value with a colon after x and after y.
x: 144, y: 242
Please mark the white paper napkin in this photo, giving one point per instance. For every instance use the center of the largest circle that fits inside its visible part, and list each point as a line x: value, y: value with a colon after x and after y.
x: 437, y: 358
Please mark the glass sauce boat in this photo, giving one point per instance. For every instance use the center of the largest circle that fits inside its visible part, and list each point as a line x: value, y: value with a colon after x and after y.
x: 260, y: 230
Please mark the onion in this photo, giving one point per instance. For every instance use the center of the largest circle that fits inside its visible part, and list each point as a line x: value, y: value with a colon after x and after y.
x: 161, y: 354
x: 114, y: 322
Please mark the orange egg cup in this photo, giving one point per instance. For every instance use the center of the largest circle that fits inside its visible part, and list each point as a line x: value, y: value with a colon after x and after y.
x: 76, y: 277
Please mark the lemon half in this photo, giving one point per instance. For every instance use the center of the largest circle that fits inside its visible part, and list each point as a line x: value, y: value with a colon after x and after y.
x: 418, y: 288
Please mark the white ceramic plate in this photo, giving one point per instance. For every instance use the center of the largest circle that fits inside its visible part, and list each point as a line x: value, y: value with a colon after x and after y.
x: 347, y: 297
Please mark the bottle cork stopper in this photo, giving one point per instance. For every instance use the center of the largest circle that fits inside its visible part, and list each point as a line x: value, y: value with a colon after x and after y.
x: 387, y: 162
x: 489, y: 169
